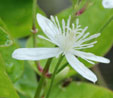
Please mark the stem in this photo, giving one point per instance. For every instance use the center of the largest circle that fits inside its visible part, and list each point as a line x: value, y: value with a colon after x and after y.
x: 53, y: 76
x: 63, y: 66
x: 101, y: 80
x: 34, y: 40
x: 34, y: 31
x: 46, y: 68
x: 34, y: 12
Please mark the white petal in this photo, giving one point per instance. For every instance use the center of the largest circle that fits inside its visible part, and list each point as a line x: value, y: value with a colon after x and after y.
x: 91, y: 56
x: 47, y: 26
x: 35, y: 53
x: 107, y: 3
x: 80, y: 68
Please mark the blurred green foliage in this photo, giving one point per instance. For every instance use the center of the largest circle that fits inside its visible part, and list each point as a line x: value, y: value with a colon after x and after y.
x: 27, y: 84
x: 4, y: 38
x: 8, y: 65
x: 80, y: 90
x: 14, y: 67
x: 17, y: 14
x: 6, y: 87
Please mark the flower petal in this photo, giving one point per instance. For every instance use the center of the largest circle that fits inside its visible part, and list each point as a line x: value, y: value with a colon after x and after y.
x: 80, y: 68
x: 107, y: 3
x: 35, y: 53
x: 48, y: 27
x: 91, y: 56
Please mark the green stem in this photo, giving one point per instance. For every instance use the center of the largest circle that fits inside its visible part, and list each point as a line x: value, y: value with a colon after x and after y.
x: 34, y: 40
x: 34, y: 31
x: 34, y: 12
x: 63, y: 66
x: 101, y: 80
x: 53, y: 76
x: 39, y: 88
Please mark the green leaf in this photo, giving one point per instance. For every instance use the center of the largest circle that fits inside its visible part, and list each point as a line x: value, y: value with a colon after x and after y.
x: 4, y: 38
x: 14, y: 67
x: 80, y: 90
x: 17, y: 14
x: 27, y: 84
x: 6, y: 88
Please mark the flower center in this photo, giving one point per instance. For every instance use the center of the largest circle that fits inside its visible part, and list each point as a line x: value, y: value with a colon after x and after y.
x: 66, y: 42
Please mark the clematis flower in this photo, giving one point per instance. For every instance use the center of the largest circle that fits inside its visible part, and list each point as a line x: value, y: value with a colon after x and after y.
x: 107, y: 3
x: 70, y: 41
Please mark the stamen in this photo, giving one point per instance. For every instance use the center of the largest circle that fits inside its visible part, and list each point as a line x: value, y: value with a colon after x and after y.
x: 42, y: 37
x: 58, y: 29
x: 73, y: 26
x: 63, y: 26
x: 90, y: 38
x: 77, y: 22
x: 78, y: 26
x: 89, y: 44
x: 68, y: 23
x: 84, y: 47
x: 58, y: 23
x: 82, y: 33
x: 53, y: 20
x: 85, y: 35
x: 79, y: 45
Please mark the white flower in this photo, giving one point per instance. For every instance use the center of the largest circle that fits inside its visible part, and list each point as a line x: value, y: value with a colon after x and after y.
x: 107, y: 3
x: 69, y: 41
